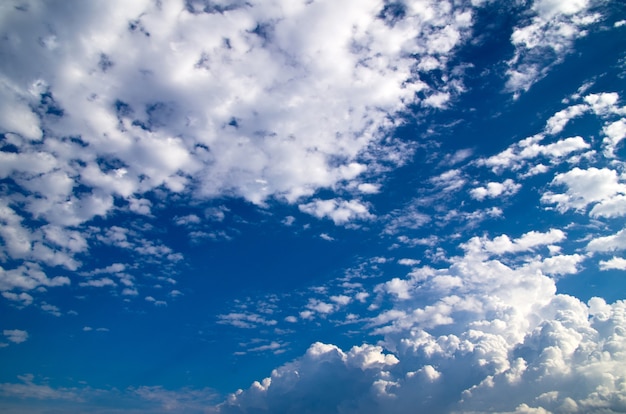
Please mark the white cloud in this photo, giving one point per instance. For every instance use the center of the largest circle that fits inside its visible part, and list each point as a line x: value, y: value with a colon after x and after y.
x: 155, y: 302
x: 339, y: 211
x: 503, y: 244
x: 307, y: 103
x: 187, y: 220
x: 51, y: 309
x: 326, y: 237
x: 369, y: 188
x: 15, y: 335
x: 326, y: 88
x: 272, y: 346
x: 615, y: 133
x: 397, y: 287
x: 320, y: 306
x: 550, y: 8
x: 23, y: 297
x: 408, y: 218
x: 558, y: 121
x: 408, y: 262
x: 306, y: 314
x: 517, y: 156
x: 361, y: 366
x: 245, y: 320
x: 28, y: 277
x: 555, y: 150
x: 450, y: 180
x: 99, y: 283
x: 559, y: 265
x: 175, y: 293
x: 438, y: 100
x: 613, y: 207
x: 545, y: 40
x: 584, y: 187
x: 614, y: 263
x: 492, y: 190
x: 341, y: 300
x: 477, y: 336
x: 604, y: 103
x: 610, y: 243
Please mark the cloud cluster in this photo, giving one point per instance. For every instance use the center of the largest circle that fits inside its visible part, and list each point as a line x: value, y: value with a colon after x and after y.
x: 481, y: 335
x: 109, y: 109
x: 250, y: 100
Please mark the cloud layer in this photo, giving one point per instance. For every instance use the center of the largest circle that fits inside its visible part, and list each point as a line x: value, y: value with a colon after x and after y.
x: 112, y: 113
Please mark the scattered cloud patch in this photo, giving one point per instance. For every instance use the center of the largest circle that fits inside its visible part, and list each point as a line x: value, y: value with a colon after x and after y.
x: 16, y: 336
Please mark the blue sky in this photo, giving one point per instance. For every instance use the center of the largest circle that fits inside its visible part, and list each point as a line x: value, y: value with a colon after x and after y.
x: 313, y: 206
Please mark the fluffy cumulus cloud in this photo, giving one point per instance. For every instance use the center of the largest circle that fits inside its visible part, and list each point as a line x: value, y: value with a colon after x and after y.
x: 493, y: 189
x: 481, y: 335
x: 601, y: 187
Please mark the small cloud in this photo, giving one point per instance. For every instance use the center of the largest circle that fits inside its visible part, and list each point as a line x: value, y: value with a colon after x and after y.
x: 291, y: 319
x: 341, y: 299
x: 493, y: 190
x: 362, y: 296
x: 54, y: 310
x: 408, y: 262
x: 155, y: 302
x: 438, y: 100
x: 15, y: 335
x: 616, y: 263
x: 24, y: 298
x: 326, y: 237
x: 216, y: 213
x: 306, y: 314
x: 245, y: 320
x: 273, y: 346
x: 367, y: 188
x: 320, y: 307
x: 99, y: 283
x: 289, y: 220
x: 187, y: 220
x: 339, y: 211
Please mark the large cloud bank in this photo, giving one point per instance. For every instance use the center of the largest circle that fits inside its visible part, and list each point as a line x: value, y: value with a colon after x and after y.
x: 481, y: 335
